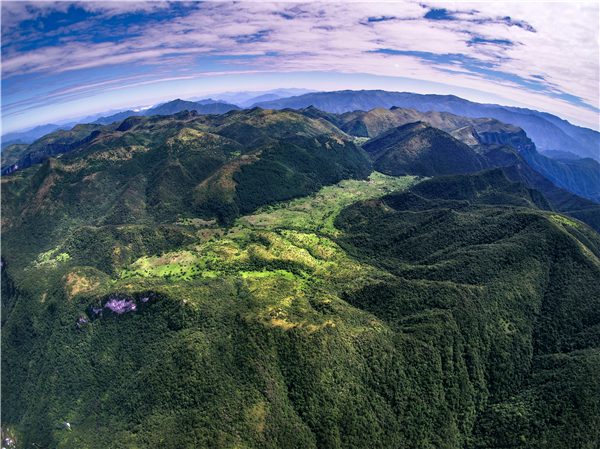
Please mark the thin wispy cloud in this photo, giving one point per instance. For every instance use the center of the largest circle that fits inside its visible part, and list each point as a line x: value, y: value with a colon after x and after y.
x: 546, y: 53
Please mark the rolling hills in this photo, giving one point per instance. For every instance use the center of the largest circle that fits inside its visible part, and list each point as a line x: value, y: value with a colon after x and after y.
x: 247, y: 280
x: 545, y: 132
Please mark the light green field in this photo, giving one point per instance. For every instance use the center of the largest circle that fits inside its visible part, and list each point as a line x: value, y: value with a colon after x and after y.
x: 563, y: 220
x: 197, y: 222
x: 295, y: 233
x: 317, y: 212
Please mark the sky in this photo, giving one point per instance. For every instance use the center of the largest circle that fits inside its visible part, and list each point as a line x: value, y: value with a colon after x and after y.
x: 68, y: 59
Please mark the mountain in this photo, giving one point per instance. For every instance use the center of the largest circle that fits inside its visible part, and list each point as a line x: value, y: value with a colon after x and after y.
x: 58, y: 142
x: 554, y: 154
x: 208, y: 101
x: 577, y: 176
x: 516, y: 168
x: 114, y: 118
x: 437, y: 235
x: 580, y: 178
x: 325, y: 309
x: 175, y: 106
x: 422, y: 150
x: 587, y: 137
x: 544, y: 129
x: 28, y: 136
x: 32, y: 135
x: 12, y: 142
x: 267, y: 97
x: 247, y: 280
x: 172, y: 107
x: 212, y: 166
x: 247, y: 96
x: 20, y: 156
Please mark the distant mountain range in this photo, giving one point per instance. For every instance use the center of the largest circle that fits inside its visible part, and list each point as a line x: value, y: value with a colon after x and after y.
x: 205, y: 106
x: 579, y: 176
x: 564, y: 153
x: 554, y: 137
x: 421, y: 149
x: 247, y: 99
x: 546, y: 130
x: 172, y: 107
x: 29, y: 136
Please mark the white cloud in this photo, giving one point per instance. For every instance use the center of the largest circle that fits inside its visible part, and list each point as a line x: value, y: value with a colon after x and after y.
x: 330, y: 37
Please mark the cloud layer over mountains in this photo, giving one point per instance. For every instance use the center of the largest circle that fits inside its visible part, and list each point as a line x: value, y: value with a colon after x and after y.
x: 544, y: 55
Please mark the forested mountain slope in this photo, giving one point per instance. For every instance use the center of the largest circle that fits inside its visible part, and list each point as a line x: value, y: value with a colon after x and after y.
x: 546, y: 130
x: 248, y: 280
x: 420, y: 149
x: 580, y: 177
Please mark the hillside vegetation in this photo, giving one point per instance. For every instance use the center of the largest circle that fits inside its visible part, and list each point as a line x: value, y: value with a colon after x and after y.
x: 580, y: 177
x: 247, y: 280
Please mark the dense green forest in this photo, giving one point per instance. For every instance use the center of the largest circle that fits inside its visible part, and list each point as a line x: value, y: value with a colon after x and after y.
x: 246, y: 280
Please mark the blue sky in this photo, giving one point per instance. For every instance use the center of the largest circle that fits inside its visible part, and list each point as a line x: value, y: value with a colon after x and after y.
x: 67, y: 59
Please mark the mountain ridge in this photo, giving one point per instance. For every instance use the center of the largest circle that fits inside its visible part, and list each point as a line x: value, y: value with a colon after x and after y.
x: 547, y: 135
x: 247, y: 279
x: 577, y: 176
x: 378, y: 121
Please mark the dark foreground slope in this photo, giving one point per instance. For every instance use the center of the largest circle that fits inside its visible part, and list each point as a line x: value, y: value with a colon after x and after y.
x: 464, y: 313
x: 511, y: 297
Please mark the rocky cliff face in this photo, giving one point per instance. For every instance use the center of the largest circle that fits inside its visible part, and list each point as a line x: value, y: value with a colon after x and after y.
x: 38, y: 156
x: 517, y: 138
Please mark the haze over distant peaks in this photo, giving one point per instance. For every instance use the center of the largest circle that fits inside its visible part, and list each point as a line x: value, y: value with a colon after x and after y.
x: 547, y: 131
x: 245, y: 98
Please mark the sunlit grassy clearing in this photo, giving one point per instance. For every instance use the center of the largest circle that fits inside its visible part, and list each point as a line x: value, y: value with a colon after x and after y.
x: 317, y: 212
x: 314, y: 214
x: 195, y: 222
x: 563, y: 220
x: 287, y: 255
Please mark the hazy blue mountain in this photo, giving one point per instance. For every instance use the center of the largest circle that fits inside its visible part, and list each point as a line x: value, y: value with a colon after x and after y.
x: 175, y: 106
x: 208, y: 106
x: 555, y: 154
x: 115, y: 117
x: 11, y: 142
x: 209, y: 101
x: 252, y: 101
x: 246, y: 96
x: 587, y: 137
x: 93, y: 117
x: 29, y: 136
x: 544, y: 129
